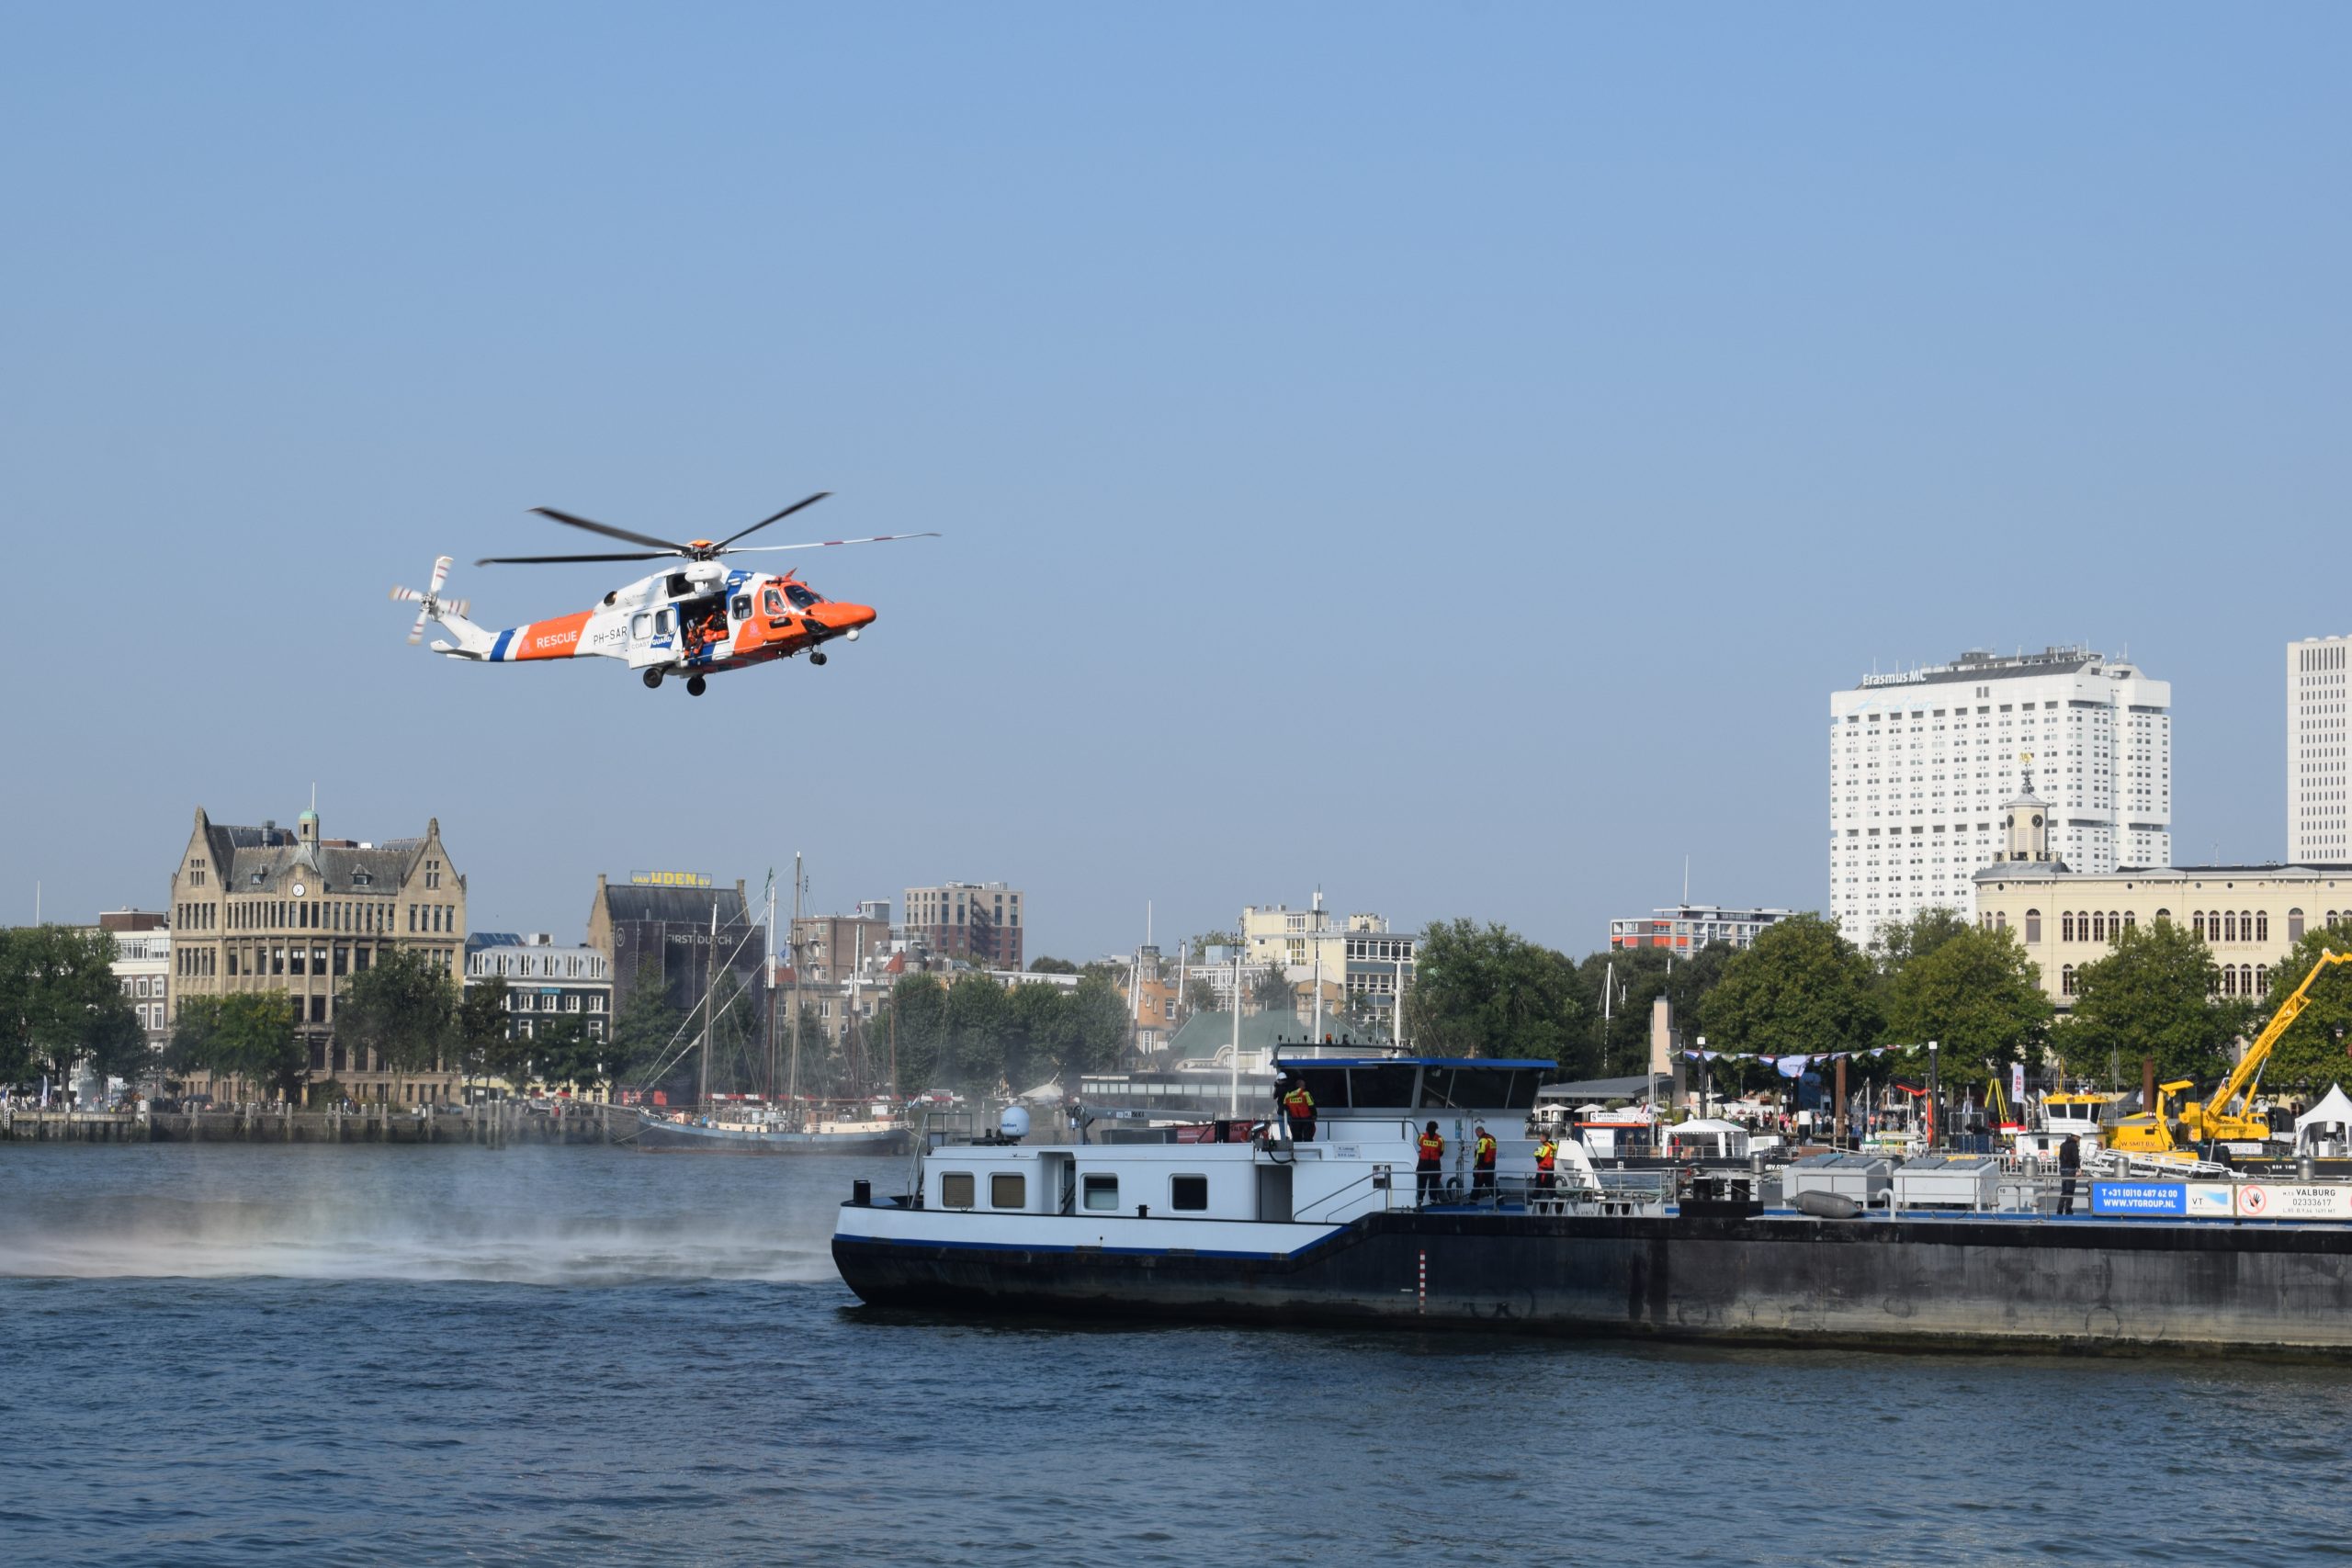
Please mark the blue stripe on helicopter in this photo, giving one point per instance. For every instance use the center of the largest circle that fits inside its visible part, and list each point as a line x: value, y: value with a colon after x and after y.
x: 498, y: 650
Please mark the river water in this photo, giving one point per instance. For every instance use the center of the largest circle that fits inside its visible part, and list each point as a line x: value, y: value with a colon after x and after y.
x: 421, y: 1355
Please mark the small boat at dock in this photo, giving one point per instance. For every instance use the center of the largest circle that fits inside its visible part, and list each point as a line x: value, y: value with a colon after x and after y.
x: 726, y: 1133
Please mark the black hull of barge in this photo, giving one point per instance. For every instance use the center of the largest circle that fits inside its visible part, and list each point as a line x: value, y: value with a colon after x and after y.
x: 2067, y: 1285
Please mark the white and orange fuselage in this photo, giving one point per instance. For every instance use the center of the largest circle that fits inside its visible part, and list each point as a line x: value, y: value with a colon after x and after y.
x: 699, y: 618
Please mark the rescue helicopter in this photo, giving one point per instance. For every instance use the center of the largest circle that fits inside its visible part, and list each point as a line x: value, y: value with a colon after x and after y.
x: 700, y: 619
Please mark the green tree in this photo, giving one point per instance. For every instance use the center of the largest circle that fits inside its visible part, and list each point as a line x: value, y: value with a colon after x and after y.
x: 1206, y: 940
x: 487, y: 1047
x: 1800, y: 988
x: 1199, y: 996
x: 645, y: 1031
x: 1270, y: 992
x: 1976, y: 994
x: 1052, y: 967
x: 919, y: 1003
x: 403, y: 1008
x: 115, y: 1046
x: 1488, y: 991
x: 1897, y: 942
x: 248, y: 1035
x: 16, y: 1007
x: 978, y: 1014
x: 565, y: 1056
x: 1099, y: 1030
x: 61, y: 1008
x: 738, y: 1044
x: 874, y: 1040
x: 1634, y: 978
x: 1041, y: 1024
x: 2155, y: 993
x: 2311, y: 1054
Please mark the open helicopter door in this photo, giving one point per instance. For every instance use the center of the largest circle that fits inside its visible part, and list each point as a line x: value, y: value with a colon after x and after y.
x: 652, y: 635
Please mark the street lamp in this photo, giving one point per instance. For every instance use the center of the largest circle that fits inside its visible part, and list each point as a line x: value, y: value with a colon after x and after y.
x: 1706, y: 1077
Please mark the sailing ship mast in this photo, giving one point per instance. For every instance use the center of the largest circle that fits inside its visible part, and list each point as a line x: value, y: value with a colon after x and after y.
x: 768, y: 1085
x: 710, y: 983
x: 792, y: 1091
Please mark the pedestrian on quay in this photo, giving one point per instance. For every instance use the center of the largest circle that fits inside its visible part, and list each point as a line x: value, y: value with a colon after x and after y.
x: 2070, y: 1160
x: 1482, y: 1166
x: 1430, y: 1158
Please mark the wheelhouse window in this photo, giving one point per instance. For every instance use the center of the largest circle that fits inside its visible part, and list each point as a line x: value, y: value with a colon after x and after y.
x: 1102, y: 1192
x: 1188, y: 1194
x: 1008, y: 1190
x: 955, y: 1190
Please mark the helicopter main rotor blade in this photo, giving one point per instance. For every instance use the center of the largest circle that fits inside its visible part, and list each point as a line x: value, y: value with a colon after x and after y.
x: 777, y: 518
x: 827, y: 544
x: 612, y: 533
x: 547, y: 560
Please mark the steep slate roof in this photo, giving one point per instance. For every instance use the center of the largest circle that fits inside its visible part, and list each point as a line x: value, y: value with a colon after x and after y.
x: 679, y: 906
x: 337, y: 869
x: 276, y: 853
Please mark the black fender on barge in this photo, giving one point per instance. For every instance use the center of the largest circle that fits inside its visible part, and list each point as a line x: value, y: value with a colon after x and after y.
x: 2060, y: 1284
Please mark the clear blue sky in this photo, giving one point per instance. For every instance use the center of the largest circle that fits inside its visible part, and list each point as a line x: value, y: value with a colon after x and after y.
x: 1448, y: 453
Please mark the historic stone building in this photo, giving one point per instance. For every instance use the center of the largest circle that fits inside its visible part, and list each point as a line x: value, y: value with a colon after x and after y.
x: 265, y: 909
x: 2251, y: 916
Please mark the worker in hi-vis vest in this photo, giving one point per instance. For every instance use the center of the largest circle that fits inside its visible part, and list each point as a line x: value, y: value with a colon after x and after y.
x: 1298, y: 1108
x: 1429, y: 1161
x: 1548, y: 1154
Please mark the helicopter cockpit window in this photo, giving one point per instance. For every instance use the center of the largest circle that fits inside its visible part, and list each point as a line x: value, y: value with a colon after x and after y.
x: 772, y: 603
x: 801, y: 596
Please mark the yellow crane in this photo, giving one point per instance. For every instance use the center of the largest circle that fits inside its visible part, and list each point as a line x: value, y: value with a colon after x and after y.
x: 2150, y: 1132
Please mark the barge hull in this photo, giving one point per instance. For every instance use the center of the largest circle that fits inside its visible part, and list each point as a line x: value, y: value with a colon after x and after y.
x: 2063, y: 1284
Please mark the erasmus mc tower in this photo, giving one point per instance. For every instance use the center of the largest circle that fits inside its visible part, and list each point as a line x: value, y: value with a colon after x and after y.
x: 1921, y: 763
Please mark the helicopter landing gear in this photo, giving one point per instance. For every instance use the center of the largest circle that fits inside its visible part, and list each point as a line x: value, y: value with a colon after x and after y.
x: 654, y: 679
x: 694, y: 685
x: 818, y: 656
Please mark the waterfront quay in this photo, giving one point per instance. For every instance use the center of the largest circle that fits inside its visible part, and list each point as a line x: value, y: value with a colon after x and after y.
x: 491, y: 1126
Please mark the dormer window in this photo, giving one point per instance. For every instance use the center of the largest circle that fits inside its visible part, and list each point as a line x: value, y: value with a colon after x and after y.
x: 361, y: 879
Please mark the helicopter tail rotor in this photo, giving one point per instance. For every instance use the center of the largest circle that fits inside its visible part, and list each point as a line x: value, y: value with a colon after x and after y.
x: 429, y: 603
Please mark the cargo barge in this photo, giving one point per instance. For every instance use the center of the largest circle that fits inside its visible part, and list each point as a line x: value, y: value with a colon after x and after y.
x: 1351, y: 1225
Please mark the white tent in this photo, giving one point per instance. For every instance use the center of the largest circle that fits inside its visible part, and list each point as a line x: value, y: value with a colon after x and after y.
x: 2326, y: 1128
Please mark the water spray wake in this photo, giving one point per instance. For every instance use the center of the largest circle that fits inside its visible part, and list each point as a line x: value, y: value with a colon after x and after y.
x: 335, y: 1237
